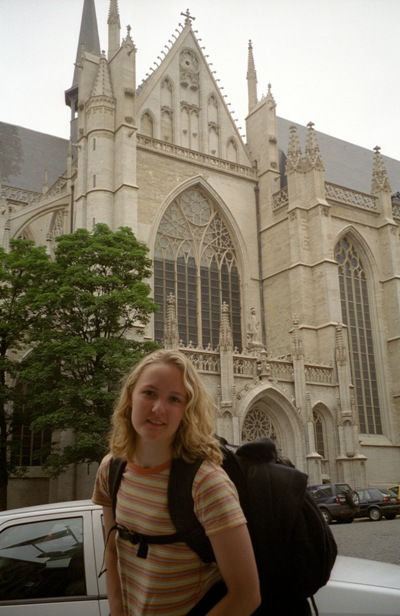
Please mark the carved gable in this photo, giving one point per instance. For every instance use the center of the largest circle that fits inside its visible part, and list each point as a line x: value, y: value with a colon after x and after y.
x: 186, y: 106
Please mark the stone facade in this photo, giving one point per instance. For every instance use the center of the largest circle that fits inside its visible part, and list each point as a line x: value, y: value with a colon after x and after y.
x: 295, y: 271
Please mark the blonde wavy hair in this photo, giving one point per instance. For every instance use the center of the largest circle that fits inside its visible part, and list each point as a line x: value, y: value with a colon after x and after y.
x: 195, y: 435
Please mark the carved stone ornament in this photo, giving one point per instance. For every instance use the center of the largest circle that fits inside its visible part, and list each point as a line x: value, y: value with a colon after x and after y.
x: 254, y: 343
x: 341, y: 355
x: 189, y: 70
x: 297, y: 340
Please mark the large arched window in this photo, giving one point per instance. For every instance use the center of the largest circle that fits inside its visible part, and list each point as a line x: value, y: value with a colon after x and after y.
x: 356, y: 315
x: 195, y: 260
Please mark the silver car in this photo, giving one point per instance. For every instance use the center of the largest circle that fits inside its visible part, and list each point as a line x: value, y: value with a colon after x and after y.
x: 51, y: 557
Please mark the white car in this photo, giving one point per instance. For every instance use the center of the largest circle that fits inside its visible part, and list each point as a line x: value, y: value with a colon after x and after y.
x: 51, y: 556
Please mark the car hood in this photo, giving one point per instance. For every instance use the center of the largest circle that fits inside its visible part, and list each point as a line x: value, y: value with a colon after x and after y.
x: 366, y: 572
x: 359, y: 587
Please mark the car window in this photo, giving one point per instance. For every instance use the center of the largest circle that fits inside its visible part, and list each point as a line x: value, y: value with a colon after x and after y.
x: 316, y: 493
x: 325, y: 491
x: 42, y: 560
x: 342, y: 488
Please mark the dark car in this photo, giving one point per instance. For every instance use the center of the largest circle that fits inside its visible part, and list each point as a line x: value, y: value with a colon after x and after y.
x: 378, y: 502
x: 337, y: 501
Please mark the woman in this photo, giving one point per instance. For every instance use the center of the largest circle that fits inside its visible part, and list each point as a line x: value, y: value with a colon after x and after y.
x: 164, y: 412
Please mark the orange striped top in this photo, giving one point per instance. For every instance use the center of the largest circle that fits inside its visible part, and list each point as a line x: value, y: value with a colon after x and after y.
x: 172, y: 579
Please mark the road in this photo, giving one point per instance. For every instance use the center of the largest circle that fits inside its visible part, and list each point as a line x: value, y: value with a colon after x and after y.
x: 366, y: 539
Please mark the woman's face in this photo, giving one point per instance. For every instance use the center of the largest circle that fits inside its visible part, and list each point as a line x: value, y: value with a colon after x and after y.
x: 158, y: 403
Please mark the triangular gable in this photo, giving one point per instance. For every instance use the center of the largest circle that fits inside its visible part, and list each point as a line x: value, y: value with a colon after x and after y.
x: 180, y: 102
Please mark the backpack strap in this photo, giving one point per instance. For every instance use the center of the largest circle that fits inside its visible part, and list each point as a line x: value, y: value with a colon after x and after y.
x: 181, y: 508
x: 115, y: 472
x: 144, y: 540
x: 181, y: 503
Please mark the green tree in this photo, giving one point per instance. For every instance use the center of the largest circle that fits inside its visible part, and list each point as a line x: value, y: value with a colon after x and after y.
x: 96, y: 301
x: 23, y: 270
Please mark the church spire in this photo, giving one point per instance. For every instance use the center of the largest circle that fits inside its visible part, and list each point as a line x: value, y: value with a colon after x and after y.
x: 380, y: 179
x: 251, y: 79
x: 380, y: 186
x: 88, y: 37
x: 114, y: 29
x: 294, y: 160
x: 313, y: 158
x: 102, y: 85
x: 89, y: 41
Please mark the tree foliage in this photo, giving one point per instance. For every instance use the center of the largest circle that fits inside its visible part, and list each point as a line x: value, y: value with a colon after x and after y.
x: 23, y: 270
x: 90, y: 309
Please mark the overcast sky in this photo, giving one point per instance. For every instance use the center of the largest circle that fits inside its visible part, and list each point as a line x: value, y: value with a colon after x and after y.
x: 334, y: 62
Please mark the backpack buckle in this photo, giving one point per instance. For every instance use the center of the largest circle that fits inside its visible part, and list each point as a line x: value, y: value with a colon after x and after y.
x: 134, y: 538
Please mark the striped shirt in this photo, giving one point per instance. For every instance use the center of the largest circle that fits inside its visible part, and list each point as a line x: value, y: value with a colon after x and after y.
x: 172, y: 579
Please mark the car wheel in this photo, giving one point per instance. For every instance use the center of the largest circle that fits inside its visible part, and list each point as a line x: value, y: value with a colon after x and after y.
x: 390, y: 516
x: 327, y: 516
x: 375, y: 514
x: 353, y: 499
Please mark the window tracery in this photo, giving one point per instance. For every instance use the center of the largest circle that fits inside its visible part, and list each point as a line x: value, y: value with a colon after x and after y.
x: 258, y: 424
x: 356, y: 315
x: 195, y: 260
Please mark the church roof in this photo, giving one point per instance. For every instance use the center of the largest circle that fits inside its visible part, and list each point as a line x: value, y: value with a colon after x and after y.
x: 346, y: 164
x: 25, y: 155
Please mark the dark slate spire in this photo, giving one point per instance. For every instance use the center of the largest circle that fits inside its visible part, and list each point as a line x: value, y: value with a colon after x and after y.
x: 88, y: 36
x: 89, y: 41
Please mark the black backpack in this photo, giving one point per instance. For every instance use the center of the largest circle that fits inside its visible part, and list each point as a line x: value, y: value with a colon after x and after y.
x: 293, y: 545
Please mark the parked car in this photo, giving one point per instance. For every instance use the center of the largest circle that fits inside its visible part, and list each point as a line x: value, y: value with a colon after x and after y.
x: 51, y: 556
x: 396, y: 490
x: 375, y: 503
x: 359, y: 587
x: 337, y: 501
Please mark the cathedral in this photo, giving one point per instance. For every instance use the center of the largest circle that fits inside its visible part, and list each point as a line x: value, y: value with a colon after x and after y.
x: 276, y: 258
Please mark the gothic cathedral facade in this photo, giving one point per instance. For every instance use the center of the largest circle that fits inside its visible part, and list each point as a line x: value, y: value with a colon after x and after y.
x: 276, y: 260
